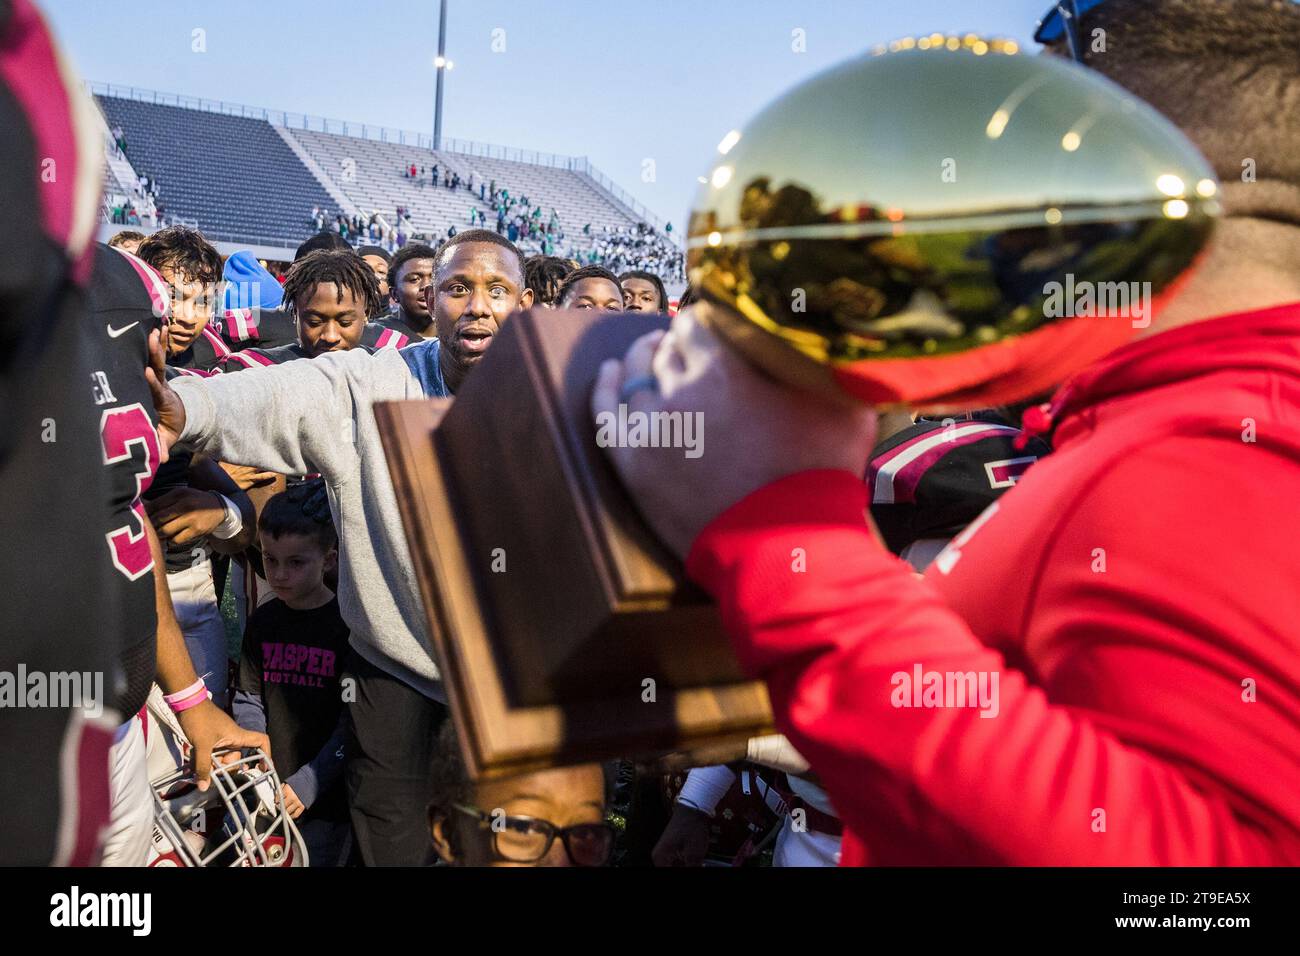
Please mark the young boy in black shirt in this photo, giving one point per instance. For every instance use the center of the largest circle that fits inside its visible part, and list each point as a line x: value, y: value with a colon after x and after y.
x: 290, y: 670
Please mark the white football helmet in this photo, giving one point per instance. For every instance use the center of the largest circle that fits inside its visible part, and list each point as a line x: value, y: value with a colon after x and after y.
x: 240, y: 820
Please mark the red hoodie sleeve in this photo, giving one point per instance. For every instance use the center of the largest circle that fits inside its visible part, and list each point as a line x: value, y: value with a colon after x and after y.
x: 832, y: 622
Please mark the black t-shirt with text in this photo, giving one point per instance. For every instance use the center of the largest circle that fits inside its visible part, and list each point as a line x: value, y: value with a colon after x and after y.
x: 293, y: 660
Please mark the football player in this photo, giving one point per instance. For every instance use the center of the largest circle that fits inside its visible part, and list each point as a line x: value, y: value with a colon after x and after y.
x: 329, y: 293
x: 268, y: 330
x: 60, y: 611
x: 182, y: 499
x: 409, y: 276
x: 643, y: 292
x: 129, y: 301
x: 191, y: 267
x: 379, y: 261
x: 591, y: 287
x: 544, y: 274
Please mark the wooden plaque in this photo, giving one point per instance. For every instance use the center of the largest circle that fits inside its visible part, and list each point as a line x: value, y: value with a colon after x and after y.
x: 550, y: 601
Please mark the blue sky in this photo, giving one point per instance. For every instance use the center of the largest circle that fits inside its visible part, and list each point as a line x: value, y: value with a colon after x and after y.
x: 615, y: 80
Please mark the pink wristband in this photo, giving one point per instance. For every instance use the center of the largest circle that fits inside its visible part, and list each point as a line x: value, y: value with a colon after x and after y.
x: 189, y: 702
x: 191, y: 696
x: 185, y: 692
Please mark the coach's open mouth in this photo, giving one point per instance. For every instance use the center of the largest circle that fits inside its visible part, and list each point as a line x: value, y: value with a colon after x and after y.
x: 475, y: 339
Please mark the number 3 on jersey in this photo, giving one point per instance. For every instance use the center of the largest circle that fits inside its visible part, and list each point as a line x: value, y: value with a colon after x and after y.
x: 119, y: 429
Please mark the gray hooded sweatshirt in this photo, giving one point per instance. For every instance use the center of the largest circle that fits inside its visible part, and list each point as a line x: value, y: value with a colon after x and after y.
x: 314, y: 416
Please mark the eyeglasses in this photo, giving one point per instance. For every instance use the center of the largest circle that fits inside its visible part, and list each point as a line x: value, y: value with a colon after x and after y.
x: 1063, y: 18
x: 529, y: 839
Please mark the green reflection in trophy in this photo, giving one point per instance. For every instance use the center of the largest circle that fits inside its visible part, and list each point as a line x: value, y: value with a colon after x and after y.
x: 945, y: 224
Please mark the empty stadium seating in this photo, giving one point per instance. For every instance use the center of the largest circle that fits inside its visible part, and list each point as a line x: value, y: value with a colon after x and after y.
x: 233, y: 175
x: 369, y: 173
x: 241, y: 179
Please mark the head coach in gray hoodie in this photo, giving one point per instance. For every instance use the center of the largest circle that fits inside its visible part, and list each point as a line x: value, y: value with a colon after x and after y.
x: 306, y: 417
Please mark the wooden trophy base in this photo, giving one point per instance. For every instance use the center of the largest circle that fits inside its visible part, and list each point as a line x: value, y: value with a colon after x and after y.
x: 566, y: 633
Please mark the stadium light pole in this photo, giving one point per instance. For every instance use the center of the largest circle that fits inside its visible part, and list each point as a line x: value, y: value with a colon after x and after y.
x: 441, y: 64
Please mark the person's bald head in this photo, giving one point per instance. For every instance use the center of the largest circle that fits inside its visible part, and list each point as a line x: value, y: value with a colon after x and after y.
x: 508, y: 248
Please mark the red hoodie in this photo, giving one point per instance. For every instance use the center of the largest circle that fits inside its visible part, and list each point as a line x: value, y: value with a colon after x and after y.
x: 1131, y: 608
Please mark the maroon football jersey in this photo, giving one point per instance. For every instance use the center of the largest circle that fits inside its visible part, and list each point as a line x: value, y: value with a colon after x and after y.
x: 127, y: 301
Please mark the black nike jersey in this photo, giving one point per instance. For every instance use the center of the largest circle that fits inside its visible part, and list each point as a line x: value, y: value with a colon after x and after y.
x: 388, y: 333
x: 203, y: 356
x: 935, y: 477
x: 60, y: 604
x: 62, y: 601
x: 395, y: 323
x: 256, y: 328
x: 256, y: 357
x: 127, y: 299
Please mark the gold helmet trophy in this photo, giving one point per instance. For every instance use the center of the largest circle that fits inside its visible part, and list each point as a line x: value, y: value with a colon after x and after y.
x: 945, y: 225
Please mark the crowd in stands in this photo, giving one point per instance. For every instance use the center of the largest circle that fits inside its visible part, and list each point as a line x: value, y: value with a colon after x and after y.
x: 142, y: 207
x: 123, y: 212
x: 518, y: 218
x: 639, y: 247
x: 448, y: 180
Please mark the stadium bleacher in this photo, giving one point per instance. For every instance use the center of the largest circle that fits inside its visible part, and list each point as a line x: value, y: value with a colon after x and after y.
x: 233, y: 175
x: 369, y: 172
x: 242, y: 178
x: 373, y: 179
x: 572, y: 194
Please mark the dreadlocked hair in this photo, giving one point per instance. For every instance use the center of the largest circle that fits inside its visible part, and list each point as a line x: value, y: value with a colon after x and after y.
x: 344, y: 268
x: 544, y: 275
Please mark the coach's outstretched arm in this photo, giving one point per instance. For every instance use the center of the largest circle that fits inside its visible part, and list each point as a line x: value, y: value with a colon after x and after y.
x: 296, y: 418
